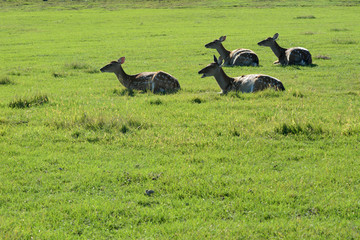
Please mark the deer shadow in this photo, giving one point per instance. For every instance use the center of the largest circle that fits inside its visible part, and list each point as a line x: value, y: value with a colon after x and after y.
x: 133, y: 93
x: 300, y: 66
x: 124, y: 92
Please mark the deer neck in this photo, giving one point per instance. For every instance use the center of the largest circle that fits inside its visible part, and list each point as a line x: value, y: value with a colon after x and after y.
x: 122, y: 76
x: 223, y: 52
x: 224, y: 81
x: 278, y: 51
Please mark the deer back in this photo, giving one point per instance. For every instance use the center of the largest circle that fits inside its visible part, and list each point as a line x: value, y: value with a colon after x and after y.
x: 163, y: 81
x: 141, y: 81
x: 243, y: 57
x: 298, y: 56
x: 257, y: 82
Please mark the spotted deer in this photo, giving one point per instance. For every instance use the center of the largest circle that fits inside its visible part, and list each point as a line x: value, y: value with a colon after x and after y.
x: 237, y: 57
x: 245, y: 83
x: 154, y: 81
x: 290, y: 56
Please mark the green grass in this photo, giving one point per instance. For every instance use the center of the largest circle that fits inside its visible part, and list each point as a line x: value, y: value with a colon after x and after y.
x: 5, y: 81
x: 268, y: 165
x: 29, y: 102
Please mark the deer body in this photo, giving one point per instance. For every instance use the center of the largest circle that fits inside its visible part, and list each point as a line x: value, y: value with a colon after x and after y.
x: 237, y: 57
x: 246, y: 83
x: 290, y: 56
x: 154, y: 81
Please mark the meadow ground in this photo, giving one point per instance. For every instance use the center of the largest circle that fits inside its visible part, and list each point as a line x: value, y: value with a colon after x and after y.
x: 78, y: 151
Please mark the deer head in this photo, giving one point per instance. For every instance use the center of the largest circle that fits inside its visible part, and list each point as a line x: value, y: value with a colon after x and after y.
x: 113, y: 66
x: 212, y: 69
x: 270, y: 41
x: 216, y: 43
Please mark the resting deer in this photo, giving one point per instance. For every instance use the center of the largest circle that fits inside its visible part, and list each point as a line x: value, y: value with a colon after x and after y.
x: 290, y: 56
x: 154, y: 81
x: 245, y: 83
x: 237, y: 57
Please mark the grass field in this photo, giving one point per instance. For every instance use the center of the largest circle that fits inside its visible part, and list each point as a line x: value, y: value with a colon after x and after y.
x: 79, y: 152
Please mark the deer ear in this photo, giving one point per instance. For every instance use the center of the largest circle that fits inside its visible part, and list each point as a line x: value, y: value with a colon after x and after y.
x: 121, y: 60
x: 276, y: 35
x: 215, y: 59
x: 220, y: 61
x: 222, y: 38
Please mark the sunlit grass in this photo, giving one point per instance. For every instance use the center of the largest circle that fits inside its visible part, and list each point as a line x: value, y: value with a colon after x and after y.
x: 27, y: 102
x: 84, y: 157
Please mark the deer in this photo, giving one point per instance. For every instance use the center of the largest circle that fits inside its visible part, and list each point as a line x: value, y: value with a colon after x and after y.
x: 290, y: 56
x: 245, y: 83
x: 237, y: 57
x: 154, y: 81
